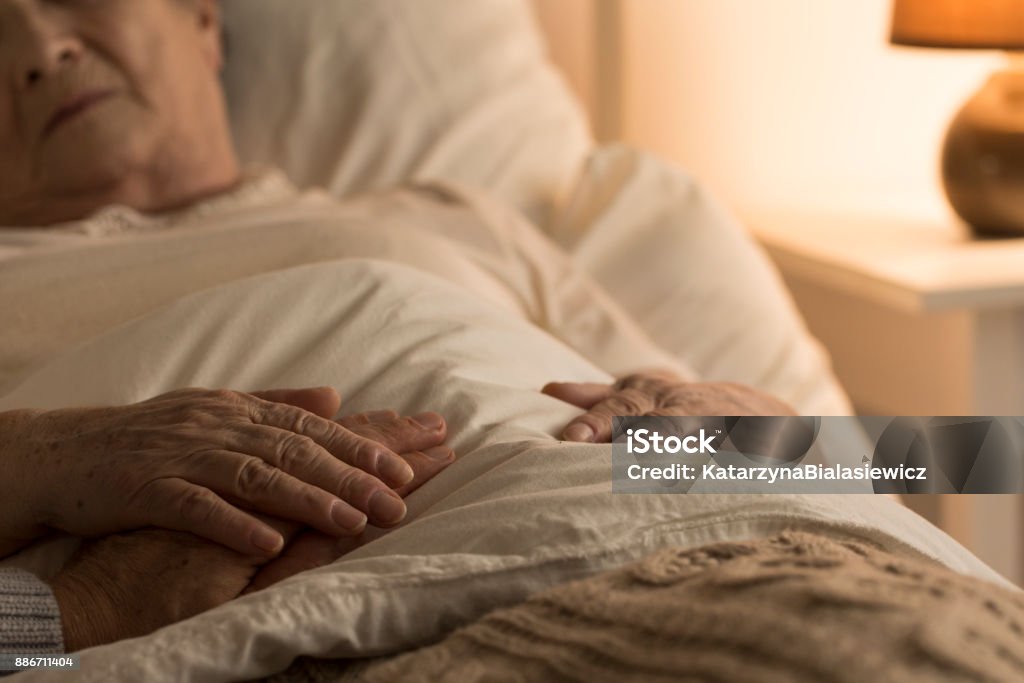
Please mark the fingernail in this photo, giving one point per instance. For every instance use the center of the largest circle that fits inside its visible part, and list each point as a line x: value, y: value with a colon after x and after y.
x: 579, y: 432
x: 431, y: 421
x: 439, y: 453
x: 267, y: 540
x: 386, y: 508
x: 347, y: 517
x: 394, y: 471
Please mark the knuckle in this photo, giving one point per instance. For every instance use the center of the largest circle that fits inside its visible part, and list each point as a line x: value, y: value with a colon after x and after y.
x: 407, y: 425
x: 381, y: 434
x: 306, y: 423
x: 197, y: 505
x: 202, y: 409
x: 677, y: 401
x: 625, y: 382
x: 367, y: 454
x: 365, y: 451
x: 653, y: 383
x: 355, y: 486
x: 628, y: 402
x: 295, y: 450
x: 302, y: 421
x: 256, y: 476
x: 221, y: 395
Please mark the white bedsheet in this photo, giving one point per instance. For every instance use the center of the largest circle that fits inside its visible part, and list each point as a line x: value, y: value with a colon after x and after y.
x: 516, y: 513
x: 61, y: 294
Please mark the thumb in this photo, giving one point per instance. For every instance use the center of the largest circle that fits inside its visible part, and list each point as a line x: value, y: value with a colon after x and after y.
x: 583, y: 395
x: 324, y: 402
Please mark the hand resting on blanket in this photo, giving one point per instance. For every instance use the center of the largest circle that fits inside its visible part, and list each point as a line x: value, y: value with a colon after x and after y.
x: 190, y: 459
x: 656, y: 392
x: 128, y: 585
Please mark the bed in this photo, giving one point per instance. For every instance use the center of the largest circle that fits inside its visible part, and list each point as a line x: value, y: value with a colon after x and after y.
x: 391, y: 105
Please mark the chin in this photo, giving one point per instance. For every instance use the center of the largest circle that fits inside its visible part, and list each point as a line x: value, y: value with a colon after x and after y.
x: 100, y: 158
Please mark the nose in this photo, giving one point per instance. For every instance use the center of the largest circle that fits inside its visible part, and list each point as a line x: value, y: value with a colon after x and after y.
x: 45, y: 48
x: 51, y: 59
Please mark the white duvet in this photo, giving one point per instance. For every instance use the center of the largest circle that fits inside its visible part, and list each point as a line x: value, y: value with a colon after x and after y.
x: 517, y: 512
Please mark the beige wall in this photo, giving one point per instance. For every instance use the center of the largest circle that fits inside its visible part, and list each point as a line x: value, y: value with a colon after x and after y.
x: 781, y: 102
x: 793, y: 102
x: 569, y: 26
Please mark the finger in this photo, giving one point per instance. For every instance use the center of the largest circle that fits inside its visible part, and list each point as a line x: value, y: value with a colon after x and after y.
x: 426, y: 464
x: 405, y: 434
x: 596, y: 425
x: 657, y: 377
x: 719, y: 398
x: 340, y: 442
x: 179, y: 505
x: 350, y: 421
x: 305, y: 460
x: 322, y: 401
x: 309, y: 551
x: 287, y: 528
x: 261, y: 487
x: 582, y: 395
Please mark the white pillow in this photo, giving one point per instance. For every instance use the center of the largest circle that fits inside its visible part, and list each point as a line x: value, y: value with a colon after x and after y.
x: 354, y: 95
x: 693, y: 278
x: 360, y: 94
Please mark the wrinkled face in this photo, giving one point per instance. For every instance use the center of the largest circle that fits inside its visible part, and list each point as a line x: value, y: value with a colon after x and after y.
x: 94, y: 91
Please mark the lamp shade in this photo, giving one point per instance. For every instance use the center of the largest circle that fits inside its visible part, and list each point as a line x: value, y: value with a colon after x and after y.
x: 980, y: 24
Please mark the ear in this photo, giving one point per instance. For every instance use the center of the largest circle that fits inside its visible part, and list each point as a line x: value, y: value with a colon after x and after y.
x: 207, y: 16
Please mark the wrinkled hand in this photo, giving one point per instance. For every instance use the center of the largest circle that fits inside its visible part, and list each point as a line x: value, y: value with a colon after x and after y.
x: 312, y: 549
x: 656, y: 393
x: 191, y: 460
x: 132, y: 584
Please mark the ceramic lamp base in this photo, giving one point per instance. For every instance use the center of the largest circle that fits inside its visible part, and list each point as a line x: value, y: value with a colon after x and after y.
x: 983, y: 159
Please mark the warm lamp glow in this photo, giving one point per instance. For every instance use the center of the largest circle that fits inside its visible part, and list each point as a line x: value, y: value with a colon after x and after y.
x: 982, y: 24
x: 983, y: 156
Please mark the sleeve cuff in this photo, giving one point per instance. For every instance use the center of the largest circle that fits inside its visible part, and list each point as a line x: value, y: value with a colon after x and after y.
x: 29, y: 616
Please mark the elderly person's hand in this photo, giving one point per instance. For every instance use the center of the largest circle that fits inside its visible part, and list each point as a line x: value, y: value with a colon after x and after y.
x: 191, y: 460
x: 130, y: 585
x: 312, y: 549
x: 656, y: 393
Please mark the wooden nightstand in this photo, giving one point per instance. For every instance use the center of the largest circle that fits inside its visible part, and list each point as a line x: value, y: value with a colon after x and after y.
x: 920, y: 319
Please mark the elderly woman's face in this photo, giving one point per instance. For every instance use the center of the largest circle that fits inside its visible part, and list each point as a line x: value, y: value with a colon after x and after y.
x: 94, y: 90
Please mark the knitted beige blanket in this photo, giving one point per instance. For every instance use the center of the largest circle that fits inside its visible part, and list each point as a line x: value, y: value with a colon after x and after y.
x: 793, y: 608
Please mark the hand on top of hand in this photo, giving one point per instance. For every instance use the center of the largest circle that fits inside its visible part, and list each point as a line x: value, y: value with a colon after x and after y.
x: 197, y: 460
x: 656, y: 393
x: 128, y: 585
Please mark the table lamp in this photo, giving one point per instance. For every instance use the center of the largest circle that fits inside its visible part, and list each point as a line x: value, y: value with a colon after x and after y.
x: 983, y: 156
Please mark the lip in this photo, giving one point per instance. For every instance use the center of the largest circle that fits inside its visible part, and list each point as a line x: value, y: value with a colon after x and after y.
x: 73, y: 107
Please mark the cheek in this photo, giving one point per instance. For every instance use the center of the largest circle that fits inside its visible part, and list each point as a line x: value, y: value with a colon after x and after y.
x: 146, y: 111
x: 136, y: 51
x: 15, y: 170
